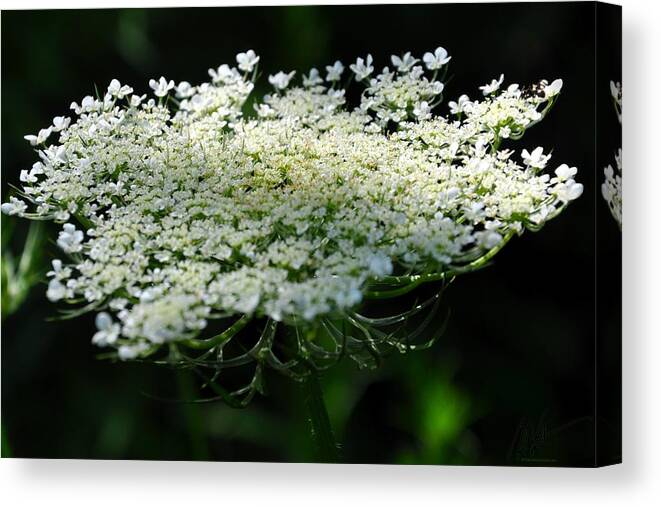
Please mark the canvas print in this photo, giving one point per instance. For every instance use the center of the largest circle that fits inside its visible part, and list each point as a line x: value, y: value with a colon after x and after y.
x: 366, y: 234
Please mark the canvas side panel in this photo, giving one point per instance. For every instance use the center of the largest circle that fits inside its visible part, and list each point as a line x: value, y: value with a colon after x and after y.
x: 608, y: 255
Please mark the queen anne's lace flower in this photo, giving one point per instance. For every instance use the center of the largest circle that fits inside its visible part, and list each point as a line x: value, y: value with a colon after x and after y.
x: 462, y: 104
x: 198, y: 213
x: 70, y: 240
x: 247, y: 61
x: 312, y: 79
x: 611, y: 188
x: 362, y: 68
x: 616, y: 93
x: 60, y: 123
x: 553, y: 89
x: 185, y: 90
x: 115, y: 89
x: 405, y: 63
x: 493, y: 86
x: 160, y: 87
x: 108, y: 332
x: 281, y: 80
x: 334, y: 72
x: 536, y: 158
x: 14, y: 207
x: 40, y: 138
x: 437, y: 59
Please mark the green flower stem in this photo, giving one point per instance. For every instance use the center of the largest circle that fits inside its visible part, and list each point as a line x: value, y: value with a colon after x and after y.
x: 319, y: 421
x: 220, y: 338
x: 193, y: 417
x: 414, y: 281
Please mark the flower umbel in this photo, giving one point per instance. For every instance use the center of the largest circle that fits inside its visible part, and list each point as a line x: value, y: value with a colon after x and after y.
x: 196, y: 215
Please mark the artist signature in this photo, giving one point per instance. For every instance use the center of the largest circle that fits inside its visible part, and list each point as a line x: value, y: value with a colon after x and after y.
x: 534, y: 440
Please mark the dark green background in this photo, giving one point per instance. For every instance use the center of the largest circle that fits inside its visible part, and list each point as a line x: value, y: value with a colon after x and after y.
x: 511, y: 381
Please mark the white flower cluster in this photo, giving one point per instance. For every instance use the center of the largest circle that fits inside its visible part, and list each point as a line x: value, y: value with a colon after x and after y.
x: 173, y: 218
x: 611, y: 188
x: 404, y: 93
x: 616, y: 93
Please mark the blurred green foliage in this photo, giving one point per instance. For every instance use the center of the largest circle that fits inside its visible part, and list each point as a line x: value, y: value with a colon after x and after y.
x: 20, y: 274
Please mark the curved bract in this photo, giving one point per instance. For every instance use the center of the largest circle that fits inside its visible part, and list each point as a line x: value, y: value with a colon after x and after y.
x: 192, y: 207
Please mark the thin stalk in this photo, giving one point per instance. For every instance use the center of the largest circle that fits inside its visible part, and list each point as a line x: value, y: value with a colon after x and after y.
x: 220, y: 338
x: 320, y: 423
x: 414, y: 281
x: 193, y: 417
